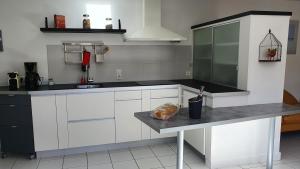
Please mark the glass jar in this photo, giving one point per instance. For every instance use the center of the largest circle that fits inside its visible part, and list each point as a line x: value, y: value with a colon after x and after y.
x: 86, y: 22
x: 108, y: 24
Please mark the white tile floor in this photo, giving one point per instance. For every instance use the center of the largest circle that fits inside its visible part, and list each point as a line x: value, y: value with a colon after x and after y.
x: 161, y: 156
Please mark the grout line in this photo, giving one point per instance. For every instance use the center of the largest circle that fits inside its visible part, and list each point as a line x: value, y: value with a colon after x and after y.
x: 157, y: 157
x: 112, y: 164
x: 14, y: 163
x: 38, y: 164
x: 133, y: 158
x: 87, y: 160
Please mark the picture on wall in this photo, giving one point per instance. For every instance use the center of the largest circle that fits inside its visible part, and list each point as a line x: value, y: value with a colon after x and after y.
x: 293, y: 37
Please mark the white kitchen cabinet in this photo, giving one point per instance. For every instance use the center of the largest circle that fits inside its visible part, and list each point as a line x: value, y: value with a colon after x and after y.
x: 156, y: 103
x: 44, y: 123
x: 62, y: 121
x: 195, y: 138
x: 145, y: 107
x: 91, y: 132
x: 90, y: 106
x: 128, y: 128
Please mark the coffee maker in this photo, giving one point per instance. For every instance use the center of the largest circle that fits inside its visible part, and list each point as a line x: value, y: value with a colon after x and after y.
x: 32, y: 78
x: 13, y: 81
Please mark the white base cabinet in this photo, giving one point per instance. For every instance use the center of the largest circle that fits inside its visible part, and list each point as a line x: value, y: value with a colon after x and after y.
x: 128, y: 128
x: 88, y: 133
x: 156, y: 102
x: 44, y: 123
x: 195, y: 138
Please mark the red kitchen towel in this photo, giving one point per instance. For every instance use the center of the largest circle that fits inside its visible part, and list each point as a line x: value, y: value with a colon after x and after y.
x: 86, y: 58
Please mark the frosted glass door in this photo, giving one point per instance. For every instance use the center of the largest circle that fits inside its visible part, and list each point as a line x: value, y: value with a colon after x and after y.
x: 226, y: 52
x: 202, y: 54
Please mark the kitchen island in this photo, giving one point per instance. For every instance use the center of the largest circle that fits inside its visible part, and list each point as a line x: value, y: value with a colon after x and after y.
x: 219, y: 116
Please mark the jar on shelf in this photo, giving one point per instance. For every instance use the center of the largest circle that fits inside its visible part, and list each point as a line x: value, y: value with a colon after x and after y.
x: 86, y: 23
x: 108, y: 24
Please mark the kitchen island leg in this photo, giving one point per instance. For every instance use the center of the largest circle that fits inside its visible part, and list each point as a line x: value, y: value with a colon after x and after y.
x: 180, y: 145
x: 271, y: 143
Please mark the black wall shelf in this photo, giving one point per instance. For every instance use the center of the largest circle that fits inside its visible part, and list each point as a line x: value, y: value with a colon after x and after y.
x: 80, y: 30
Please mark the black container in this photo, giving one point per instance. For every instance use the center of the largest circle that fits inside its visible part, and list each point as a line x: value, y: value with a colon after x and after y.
x: 195, y: 107
x: 32, y: 78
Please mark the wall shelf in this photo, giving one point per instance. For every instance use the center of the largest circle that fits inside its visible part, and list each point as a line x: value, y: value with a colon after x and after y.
x: 80, y: 30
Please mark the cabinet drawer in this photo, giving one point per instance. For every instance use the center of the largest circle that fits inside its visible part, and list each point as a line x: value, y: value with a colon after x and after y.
x: 161, y: 93
x: 128, y: 95
x: 15, y: 100
x: 90, y: 106
x: 88, y: 133
x: 15, y: 115
x: 291, y: 119
x: 17, y: 139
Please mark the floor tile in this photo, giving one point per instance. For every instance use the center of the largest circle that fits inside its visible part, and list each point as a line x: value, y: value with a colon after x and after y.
x: 120, y: 155
x: 98, y: 158
x: 26, y: 164
x: 125, y: 165
x: 198, y: 166
x: 168, y: 160
x: 252, y: 165
x: 174, y: 167
x: 7, y: 162
x: 73, y: 161
x: 162, y: 150
x: 192, y: 159
x: 101, y: 166
x: 142, y: 152
x: 51, y: 163
x: 148, y: 163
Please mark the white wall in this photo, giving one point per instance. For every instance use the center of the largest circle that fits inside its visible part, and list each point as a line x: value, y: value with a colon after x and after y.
x: 230, y: 7
x: 23, y: 41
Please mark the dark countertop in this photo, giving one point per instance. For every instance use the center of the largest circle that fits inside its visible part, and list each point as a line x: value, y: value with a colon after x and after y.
x: 216, y: 116
x: 209, y: 87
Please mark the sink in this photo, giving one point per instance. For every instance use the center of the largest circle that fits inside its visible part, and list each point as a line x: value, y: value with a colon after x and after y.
x: 88, y: 86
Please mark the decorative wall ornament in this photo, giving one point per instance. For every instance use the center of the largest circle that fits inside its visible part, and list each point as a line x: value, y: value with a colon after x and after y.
x: 270, y: 49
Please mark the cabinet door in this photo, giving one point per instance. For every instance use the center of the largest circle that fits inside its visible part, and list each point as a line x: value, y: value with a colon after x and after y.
x: 226, y: 52
x: 89, y: 133
x: 202, y: 54
x: 44, y: 123
x: 128, y: 128
x: 195, y: 138
x: 90, y: 106
x: 62, y: 121
x: 158, y: 102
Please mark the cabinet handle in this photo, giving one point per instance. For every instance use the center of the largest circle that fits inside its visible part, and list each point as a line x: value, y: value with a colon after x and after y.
x: 12, y: 105
x: 11, y: 95
x: 13, y: 126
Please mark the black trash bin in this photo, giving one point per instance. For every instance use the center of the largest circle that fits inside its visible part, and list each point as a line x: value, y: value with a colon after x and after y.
x: 195, y: 107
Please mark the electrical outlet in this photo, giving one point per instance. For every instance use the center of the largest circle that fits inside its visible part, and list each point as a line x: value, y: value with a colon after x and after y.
x: 119, y: 73
x: 188, y: 73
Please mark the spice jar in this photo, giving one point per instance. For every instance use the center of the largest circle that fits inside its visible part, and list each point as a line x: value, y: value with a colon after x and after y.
x: 108, y: 24
x: 86, y: 22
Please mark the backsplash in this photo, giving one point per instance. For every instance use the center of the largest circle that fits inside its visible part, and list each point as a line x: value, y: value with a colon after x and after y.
x: 137, y: 62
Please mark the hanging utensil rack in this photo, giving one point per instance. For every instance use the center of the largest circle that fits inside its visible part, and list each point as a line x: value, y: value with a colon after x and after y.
x: 82, y: 45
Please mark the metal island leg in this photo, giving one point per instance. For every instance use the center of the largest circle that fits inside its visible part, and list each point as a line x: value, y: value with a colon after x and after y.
x: 180, y: 145
x: 271, y: 143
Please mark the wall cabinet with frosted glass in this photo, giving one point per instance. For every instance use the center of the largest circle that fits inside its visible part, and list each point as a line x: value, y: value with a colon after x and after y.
x: 216, y: 53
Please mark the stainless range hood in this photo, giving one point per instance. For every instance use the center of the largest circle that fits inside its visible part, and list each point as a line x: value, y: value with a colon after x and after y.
x: 152, y: 29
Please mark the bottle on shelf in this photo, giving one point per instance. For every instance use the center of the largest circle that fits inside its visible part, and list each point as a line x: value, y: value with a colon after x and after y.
x: 86, y: 23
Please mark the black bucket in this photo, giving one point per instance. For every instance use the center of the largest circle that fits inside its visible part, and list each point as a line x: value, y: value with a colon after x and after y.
x: 195, y: 107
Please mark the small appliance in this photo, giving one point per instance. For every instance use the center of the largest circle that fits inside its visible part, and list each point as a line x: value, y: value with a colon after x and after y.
x: 13, y: 81
x: 32, y: 78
